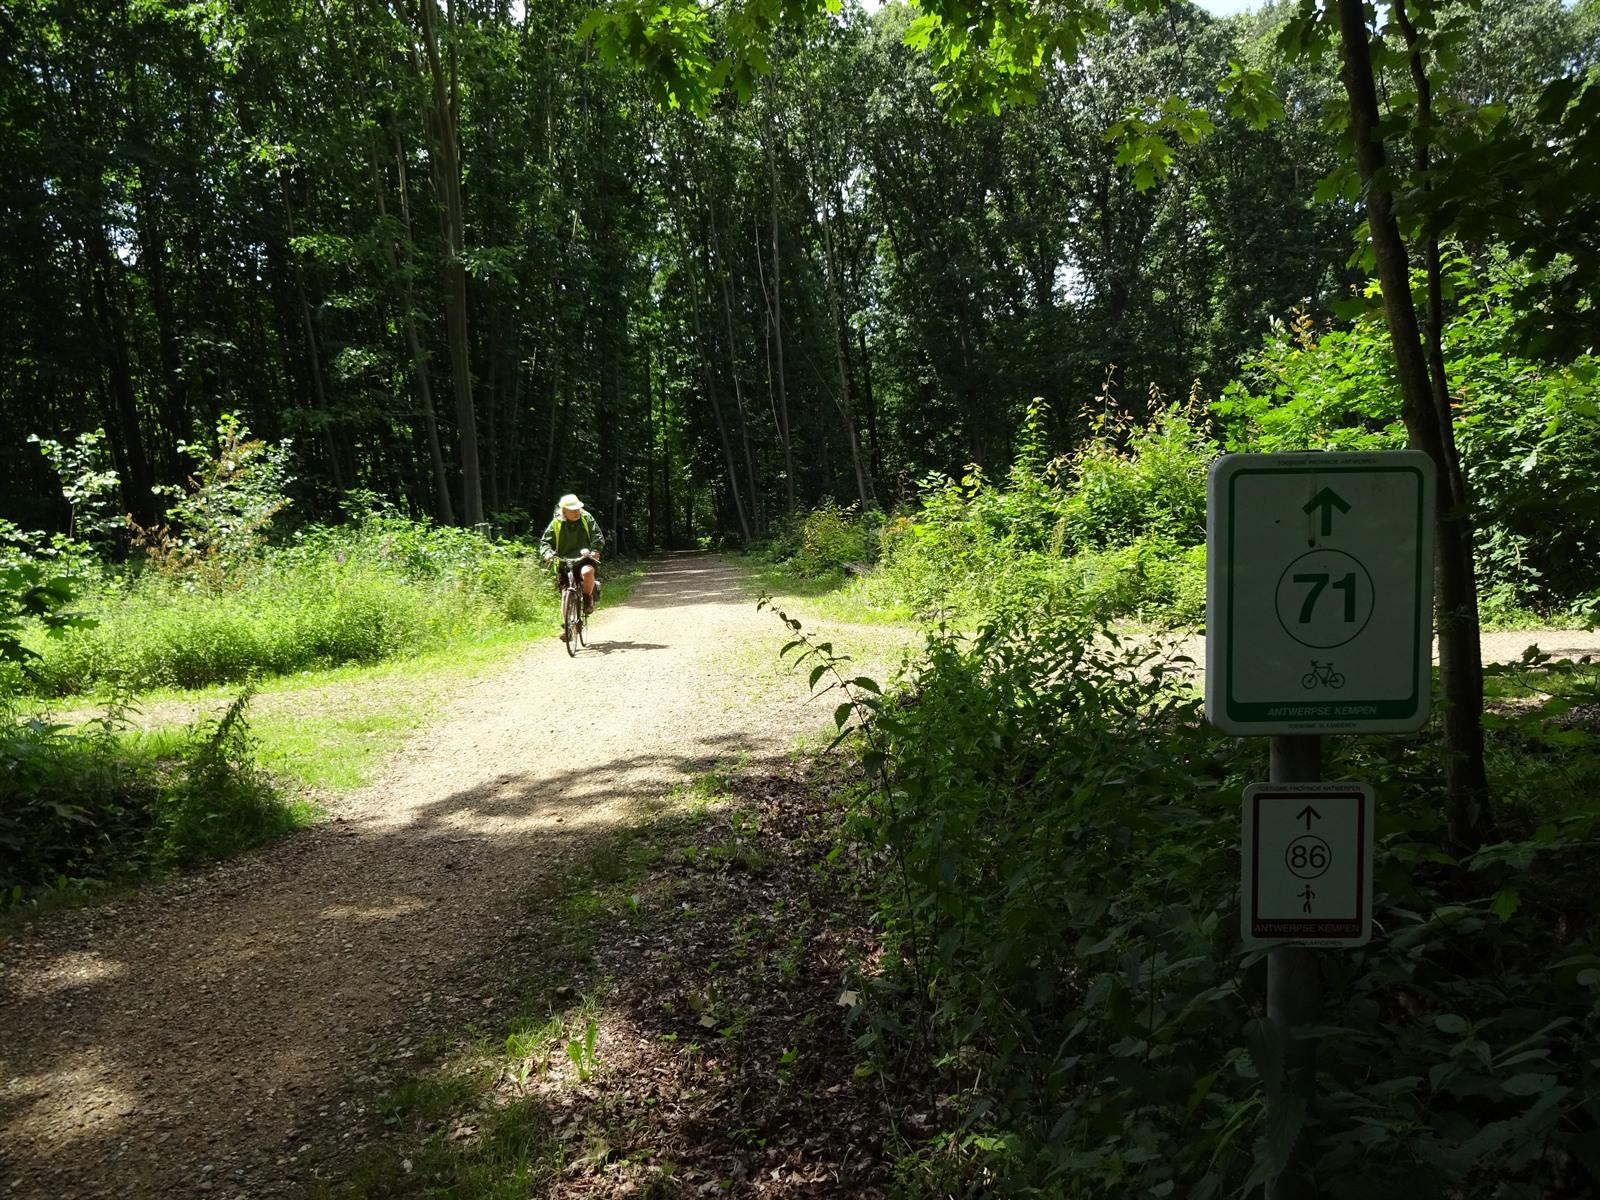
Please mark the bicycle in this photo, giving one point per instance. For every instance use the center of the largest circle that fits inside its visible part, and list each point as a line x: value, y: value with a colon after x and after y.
x: 1321, y: 672
x: 574, y: 622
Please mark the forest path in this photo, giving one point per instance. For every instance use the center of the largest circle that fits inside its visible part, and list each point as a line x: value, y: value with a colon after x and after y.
x: 193, y: 1038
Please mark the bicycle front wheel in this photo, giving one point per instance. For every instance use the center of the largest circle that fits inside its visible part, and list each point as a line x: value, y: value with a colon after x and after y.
x: 569, y: 619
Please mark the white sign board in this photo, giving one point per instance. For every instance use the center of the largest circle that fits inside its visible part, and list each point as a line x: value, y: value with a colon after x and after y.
x: 1319, y: 592
x: 1307, y: 864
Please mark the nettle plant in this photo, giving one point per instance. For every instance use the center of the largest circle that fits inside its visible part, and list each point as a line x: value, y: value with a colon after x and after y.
x: 1051, y: 835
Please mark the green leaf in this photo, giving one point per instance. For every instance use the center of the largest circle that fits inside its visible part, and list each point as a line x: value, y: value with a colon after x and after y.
x: 1285, y: 1119
x: 1506, y: 901
x: 1451, y: 1023
x: 1264, y: 1043
x: 1529, y: 1084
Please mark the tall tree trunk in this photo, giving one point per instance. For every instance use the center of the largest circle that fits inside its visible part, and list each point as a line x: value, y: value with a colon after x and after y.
x: 709, y: 376
x: 1460, y: 658
x: 846, y: 409
x: 175, y: 417
x: 137, y: 481
x: 444, y: 121
x: 776, y: 312
x: 169, y: 394
x: 547, y: 477
x: 443, y: 509
x: 707, y: 372
x: 874, y: 445
x: 308, y: 326
x: 723, y: 271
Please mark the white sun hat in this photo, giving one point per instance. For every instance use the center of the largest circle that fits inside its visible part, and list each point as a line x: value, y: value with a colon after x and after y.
x: 570, y: 503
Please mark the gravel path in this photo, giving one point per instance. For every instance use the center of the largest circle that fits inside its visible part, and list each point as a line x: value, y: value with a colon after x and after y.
x: 197, y: 1037
x: 1499, y: 646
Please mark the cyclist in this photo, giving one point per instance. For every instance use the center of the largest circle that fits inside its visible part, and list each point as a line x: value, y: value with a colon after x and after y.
x: 573, y: 532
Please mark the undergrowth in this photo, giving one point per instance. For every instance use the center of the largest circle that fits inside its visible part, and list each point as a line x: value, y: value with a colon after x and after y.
x: 383, y: 588
x: 82, y: 809
x: 1051, y: 833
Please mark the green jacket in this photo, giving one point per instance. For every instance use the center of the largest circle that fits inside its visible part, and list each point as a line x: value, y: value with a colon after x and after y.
x: 564, y: 539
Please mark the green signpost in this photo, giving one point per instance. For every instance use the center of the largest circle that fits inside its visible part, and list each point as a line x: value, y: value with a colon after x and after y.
x: 1319, y: 619
x: 1319, y: 593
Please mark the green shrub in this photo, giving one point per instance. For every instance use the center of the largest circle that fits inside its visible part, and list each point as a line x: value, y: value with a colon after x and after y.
x: 822, y: 541
x: 1528, y: 432
x: 220, y: 802
x: 1152, y: 580
x: 1054, y: 844
x: 1116, y: 531
x: 79, y: 808
x: 1141, y: 483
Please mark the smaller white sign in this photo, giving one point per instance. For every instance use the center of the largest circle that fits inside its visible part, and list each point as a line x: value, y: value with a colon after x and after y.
x: 1307, y: 861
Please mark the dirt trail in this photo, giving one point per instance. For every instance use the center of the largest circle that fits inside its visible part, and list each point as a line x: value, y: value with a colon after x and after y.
x: 193, y: 1038
x: 1499, y: 646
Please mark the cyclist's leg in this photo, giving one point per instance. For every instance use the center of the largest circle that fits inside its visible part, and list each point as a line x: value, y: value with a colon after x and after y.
x: 590, y: 586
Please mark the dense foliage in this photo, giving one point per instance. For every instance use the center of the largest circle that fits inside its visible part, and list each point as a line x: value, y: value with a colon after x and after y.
x: 216, y: 594
x: 1528, y: 431
x: 468, y: 265
x: 1053, y: 833
x: 1116, y: 529
x: 98, y: 804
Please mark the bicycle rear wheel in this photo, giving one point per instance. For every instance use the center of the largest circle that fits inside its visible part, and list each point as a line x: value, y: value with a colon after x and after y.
x: 583, y: 626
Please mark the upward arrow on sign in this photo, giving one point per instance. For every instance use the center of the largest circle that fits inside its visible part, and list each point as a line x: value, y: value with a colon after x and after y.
x: 1327, y: 500
x: 1308, y: 814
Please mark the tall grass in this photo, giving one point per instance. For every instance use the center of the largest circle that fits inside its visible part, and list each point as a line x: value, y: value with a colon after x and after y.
x: 359, y: 594
x: 1115, y: 531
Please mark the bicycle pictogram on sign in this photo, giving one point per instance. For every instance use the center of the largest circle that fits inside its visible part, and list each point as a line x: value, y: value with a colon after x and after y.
x: 1321, y: 672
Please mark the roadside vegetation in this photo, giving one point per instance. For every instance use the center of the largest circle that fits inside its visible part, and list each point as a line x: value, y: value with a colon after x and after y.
x: 667, y: 1037
x: 207, y: 609
x: 1048, y: 830
x: 1049, y: 834
x: 1115, y: 530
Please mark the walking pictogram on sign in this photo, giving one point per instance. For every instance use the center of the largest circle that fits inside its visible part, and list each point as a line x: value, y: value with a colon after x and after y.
x: 1307, y: 863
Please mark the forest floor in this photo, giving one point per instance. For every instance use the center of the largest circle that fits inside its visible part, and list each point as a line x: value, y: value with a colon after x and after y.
x: 229, y: 1032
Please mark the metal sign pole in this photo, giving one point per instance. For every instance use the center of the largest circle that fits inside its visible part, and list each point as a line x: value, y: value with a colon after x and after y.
x: 1294, y: 991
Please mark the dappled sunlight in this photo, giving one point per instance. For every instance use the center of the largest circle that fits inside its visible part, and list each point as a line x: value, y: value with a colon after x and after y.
x: 82, y: 1087
x: 73, y: 970
x: 383, y: 912
x: 260, y: 984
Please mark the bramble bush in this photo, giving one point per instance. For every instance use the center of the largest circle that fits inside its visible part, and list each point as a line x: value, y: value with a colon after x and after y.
x: 1051, y: 834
